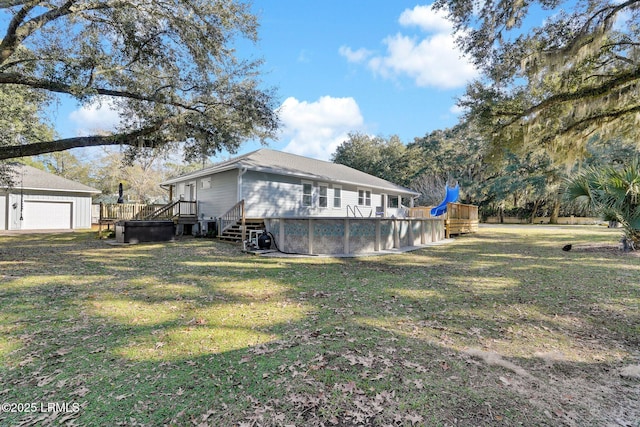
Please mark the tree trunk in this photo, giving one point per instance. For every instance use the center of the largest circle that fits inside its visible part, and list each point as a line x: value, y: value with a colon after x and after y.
x: 535, y: 210
x: 555, y: 212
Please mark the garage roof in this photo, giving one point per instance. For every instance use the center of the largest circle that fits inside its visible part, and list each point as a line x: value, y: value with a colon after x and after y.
x: 30, y: 178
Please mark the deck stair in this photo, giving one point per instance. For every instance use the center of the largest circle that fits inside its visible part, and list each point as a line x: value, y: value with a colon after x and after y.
x: 180, y: 211
x: 234, y: 232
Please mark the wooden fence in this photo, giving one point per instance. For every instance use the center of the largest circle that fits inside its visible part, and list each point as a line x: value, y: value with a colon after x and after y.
x: 459, y: 218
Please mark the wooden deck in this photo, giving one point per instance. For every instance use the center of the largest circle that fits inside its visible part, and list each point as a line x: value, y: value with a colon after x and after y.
x: 459, y: 218
x: 179, y: 211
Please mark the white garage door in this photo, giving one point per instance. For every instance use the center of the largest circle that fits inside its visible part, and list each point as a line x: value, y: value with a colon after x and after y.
x: 46, y: 215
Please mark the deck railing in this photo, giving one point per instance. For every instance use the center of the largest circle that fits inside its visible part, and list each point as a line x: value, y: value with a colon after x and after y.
x: 459, y: 218
x: 110, y: 212
x: 461, y: 211
x: 177, y: 209
x: 125, y: 211
x: 454, y: 211
x: 231, y: 217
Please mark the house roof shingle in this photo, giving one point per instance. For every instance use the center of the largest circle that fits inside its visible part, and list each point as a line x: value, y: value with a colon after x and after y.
x: 281, y: 163
x: 30, y: 178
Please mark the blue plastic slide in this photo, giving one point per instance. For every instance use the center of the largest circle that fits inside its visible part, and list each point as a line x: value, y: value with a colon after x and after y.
x: 451, y: 197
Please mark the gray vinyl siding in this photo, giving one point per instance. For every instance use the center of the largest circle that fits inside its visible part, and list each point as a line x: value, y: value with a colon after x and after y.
x: 221, y: 196
x: 80, y: 211
x: 271, y: 196
x: 268, y: 195
x: 3, y: 211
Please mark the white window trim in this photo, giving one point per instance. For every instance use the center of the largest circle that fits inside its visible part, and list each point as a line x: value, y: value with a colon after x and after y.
x: 320, y: 185
x: 394, y: 197
x: 333, y: 199
x: 302, y: 194
x: 365, y: 197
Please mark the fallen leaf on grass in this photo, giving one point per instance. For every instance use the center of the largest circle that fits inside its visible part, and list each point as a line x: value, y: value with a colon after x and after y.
x: 43, y: 381
x: 26, y: 361
x: 62, y: 352
x: 414, y: 418
x: 347, y: 388
x: 81, y: 392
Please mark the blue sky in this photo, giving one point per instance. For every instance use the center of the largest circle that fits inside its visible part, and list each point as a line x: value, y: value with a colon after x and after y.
x: 378, y: 67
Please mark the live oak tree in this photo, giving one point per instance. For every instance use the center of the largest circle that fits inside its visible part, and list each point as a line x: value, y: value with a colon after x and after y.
x: 20, y: 121
x: 169, y: 67
x: 575, y: 76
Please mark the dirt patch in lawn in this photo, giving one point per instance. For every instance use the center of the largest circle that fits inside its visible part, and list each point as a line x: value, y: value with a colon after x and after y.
x: 565, y: 394
x: 605, y: 248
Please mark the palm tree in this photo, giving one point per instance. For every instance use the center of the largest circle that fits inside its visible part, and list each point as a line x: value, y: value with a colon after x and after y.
x: 612, y: 192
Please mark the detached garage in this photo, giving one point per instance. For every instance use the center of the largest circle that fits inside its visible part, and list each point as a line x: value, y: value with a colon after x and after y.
x: 43, y: 201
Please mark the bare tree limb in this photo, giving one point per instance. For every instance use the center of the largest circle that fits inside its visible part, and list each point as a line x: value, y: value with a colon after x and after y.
x: 134, y: 139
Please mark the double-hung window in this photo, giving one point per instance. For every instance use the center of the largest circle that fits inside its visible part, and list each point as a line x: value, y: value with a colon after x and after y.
x: 337, y: 197
x: 307, y: 194
x: 323, y: 196
x: 364, y: 197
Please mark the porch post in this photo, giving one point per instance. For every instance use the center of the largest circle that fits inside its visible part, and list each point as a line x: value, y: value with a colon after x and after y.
x: 244, y: 228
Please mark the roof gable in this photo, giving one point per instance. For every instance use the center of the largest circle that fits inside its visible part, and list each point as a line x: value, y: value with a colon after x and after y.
x: 28, y: 177
x: 281, y: 163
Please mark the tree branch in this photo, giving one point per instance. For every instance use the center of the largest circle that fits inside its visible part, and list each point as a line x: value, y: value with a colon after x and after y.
x: 130, y: 139
x: 5, y: 4
x: 606, y: 115
x: 10, y: 39
x: 590, y: 91
x: 18, y: 30
x: 20, y: 79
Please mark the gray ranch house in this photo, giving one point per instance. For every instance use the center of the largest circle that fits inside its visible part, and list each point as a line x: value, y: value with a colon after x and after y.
x: 267, y: 184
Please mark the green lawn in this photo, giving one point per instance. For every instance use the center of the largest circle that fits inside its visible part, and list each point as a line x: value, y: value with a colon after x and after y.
x: 497, y: 328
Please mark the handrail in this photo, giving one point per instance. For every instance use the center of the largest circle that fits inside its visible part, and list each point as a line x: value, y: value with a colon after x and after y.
x: 231, y: 217
x: 353, y: 210
x: 169, y: 210
x: 162, y: 210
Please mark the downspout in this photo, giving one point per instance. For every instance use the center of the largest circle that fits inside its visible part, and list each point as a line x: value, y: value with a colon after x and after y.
x: 241, y: 172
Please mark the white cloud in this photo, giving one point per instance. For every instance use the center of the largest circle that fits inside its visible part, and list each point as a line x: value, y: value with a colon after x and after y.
x: 316, y: 129
x: 354, y: 55
x: 427, y: 19
x: 433, y: 60
x: 457, y: 110
x: 99, y: 116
